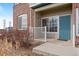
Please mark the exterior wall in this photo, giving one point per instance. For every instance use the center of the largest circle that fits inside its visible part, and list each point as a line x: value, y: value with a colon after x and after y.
x: 75, y: 5
x: 38, y: 20
x: 60, y: 10
x: 22, y: 8
x: 32, y: 17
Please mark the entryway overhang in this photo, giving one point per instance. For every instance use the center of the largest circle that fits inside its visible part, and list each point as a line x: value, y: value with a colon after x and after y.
x: 49, y: 6
x: 62, y: 11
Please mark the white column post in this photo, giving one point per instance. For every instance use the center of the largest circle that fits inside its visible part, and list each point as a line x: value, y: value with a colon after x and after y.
x: 73, y: 35
x: 45, y: 34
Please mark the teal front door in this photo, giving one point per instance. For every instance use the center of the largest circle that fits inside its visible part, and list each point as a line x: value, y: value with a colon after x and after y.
x: 65, y: 27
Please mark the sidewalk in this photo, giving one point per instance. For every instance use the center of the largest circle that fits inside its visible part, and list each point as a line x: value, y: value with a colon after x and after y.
x: 55, y: 50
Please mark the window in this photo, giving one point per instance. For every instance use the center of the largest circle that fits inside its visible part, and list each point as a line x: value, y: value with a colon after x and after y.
x: 22, y: 21
x: 50, y: 23
x: 77, y: 21
x: 53, y: 24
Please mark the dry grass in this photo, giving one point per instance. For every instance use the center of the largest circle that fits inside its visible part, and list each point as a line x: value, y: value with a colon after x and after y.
x: 12, y: 41
x: 17, y: 43
x: 6, y: 49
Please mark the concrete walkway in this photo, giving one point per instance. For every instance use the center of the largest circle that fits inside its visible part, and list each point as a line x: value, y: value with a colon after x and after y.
x: 55, y: 50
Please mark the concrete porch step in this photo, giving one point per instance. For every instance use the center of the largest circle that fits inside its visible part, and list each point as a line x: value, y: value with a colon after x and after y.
x: 51, y: 49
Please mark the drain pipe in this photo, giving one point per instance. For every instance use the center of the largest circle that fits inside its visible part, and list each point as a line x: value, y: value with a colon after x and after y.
x: 30, y: 22
x: 73, y: 35
x: 30, y: 16
x: 45, y: 34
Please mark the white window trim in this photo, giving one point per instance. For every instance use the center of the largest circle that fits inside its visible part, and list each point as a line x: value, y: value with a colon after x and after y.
x: 77, y: 18
x: 58, y: 21
x: 26, y: 21
x: 57, y: 25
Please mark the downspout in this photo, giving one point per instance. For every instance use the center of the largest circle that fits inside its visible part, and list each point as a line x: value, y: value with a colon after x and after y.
x: 30, y: 28
x: 30, y: 16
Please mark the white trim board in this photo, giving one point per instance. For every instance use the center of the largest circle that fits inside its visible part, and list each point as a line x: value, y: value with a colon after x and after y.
x: 77, y: 18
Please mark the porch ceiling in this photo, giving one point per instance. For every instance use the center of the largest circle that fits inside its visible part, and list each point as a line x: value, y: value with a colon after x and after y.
x: 50, y: 6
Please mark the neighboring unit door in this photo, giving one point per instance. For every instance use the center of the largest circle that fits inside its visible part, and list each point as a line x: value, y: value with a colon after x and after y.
x: 65, y: 27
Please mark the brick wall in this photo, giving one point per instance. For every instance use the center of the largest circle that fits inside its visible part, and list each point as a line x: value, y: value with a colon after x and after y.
x: 74, y: 6
x: 19, y: 9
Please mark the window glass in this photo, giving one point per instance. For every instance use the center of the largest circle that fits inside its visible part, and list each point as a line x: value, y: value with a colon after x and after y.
x: 22, y: 21
x: 53, y: 24
x: 50, y: 23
